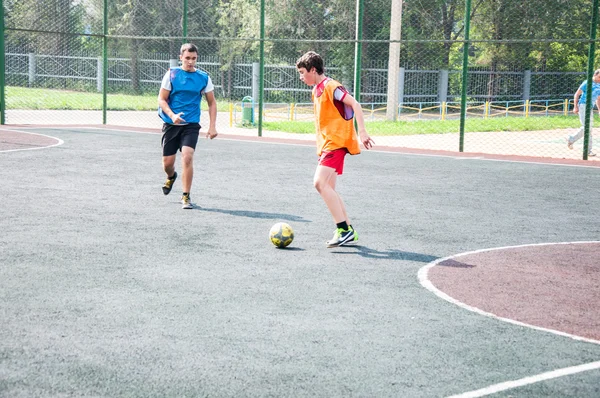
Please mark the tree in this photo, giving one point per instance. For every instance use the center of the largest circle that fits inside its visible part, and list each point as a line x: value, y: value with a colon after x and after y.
x: 57, y: 16
x: 239, y: 26
x: 516, y: 45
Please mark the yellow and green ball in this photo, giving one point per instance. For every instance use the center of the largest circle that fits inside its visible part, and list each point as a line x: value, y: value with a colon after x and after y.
x: 281, y: 234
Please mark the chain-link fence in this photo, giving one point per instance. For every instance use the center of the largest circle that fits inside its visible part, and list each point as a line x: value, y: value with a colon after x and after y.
x: 493, y: 76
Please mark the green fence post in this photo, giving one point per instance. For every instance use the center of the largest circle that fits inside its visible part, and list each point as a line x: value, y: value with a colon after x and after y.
x: 185, y: 21
x: 261, y: 73
x: 358, y: 49
x: 589, y: 106
x: 465, y: 72
x: 104, y: 60
x: 2, y: 66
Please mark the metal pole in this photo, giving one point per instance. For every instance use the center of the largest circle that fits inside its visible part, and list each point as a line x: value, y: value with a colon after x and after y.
x: 391, y: 112
x: 358, y: 49
x: 465, y: 73
x: 589, y: 106
x: 255, y: 80
x: 2, y: 66
x: 261, y: 78
x: 104, y: 61
x: 185, y: 20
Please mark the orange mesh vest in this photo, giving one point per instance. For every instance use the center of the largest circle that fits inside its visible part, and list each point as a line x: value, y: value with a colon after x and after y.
x: 333, y: 131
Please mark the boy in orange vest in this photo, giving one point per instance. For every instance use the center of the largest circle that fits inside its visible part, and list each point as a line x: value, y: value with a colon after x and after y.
x: 335, y: 110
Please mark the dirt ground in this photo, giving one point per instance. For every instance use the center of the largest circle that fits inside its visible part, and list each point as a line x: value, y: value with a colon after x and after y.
x: 552, y: 286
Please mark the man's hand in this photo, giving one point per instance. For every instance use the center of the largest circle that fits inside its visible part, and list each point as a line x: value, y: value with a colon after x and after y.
x: 177, y: 119
x: 211, y: 133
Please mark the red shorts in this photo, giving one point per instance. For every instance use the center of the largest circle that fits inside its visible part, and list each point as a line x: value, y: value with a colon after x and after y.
x: 334, y: 159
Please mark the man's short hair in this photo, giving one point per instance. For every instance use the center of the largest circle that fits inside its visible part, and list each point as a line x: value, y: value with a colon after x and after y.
x: 188, y: 47
x: 311, y: 60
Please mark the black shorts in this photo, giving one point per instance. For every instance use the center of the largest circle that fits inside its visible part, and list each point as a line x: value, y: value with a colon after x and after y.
x: 176, y: 136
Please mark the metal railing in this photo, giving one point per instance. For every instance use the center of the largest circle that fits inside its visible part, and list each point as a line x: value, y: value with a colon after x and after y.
x: 281, y: 81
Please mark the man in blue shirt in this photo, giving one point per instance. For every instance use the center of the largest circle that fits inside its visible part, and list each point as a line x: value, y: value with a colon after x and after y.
x: 579, y: 107
x: 179, y: 107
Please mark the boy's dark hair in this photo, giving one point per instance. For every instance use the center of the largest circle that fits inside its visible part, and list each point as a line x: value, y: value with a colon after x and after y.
x: 311, y: 60
x: 188, y: 47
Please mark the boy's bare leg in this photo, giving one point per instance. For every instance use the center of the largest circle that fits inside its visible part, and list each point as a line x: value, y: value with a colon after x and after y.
x: 343, y: 206
x: 324, y: 181
x: 187, y: 168
x: 169, y: 165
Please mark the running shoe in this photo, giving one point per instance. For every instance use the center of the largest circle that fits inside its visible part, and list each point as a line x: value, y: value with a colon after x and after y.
x: 341, y: 238
x: 186, y: 203
x: 169, y: 184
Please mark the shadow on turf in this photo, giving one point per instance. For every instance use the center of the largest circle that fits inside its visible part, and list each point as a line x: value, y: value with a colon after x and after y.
x: 254, y: 214
x: 289, y: 248
x: 388, y: 254
x: 455, y: 264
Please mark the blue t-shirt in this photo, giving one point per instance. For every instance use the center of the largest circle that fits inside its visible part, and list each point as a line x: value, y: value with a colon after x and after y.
x: 186, y: 93
x: 595, y: 92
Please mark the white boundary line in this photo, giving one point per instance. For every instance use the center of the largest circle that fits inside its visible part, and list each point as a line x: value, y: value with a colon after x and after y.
x: 308, y: 143
x: 59, y: 141
x: 80, y: 128
x: 495, y: 388
x: 424, y: 280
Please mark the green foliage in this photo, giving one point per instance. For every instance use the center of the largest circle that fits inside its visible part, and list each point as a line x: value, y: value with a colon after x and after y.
x: 239, y: 22
x: 62, y: 16
x: 229, y: 32
x: 295, y: 26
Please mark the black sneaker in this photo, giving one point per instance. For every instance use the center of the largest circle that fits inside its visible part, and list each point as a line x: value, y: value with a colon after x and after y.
x: 169, y: 184
x: 341, y: 238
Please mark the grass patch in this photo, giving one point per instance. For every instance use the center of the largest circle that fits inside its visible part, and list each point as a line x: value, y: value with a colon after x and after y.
x: 291, y: 127
x: 444, y: 126
x: 47, y: 99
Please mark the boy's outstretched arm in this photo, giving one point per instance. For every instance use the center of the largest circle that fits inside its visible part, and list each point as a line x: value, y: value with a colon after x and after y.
x: 360, y: 121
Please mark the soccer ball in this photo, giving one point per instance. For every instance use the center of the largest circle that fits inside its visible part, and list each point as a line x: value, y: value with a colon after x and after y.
x: 281, y: 234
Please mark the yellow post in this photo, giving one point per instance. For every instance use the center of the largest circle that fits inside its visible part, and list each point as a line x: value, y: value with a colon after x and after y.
x: 443, y: 110
x: 230, y: 115
x: 486, y: 110
x: 526, y: 108
x: 292, y: 112
x: 566, y: 107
